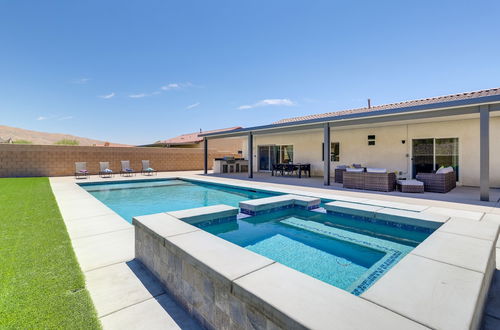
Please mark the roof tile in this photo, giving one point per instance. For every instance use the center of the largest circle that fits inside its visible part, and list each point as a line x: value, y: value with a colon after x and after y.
x: 427, y: 101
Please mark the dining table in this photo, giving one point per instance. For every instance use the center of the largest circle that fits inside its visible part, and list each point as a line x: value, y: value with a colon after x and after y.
x: 299, y: 167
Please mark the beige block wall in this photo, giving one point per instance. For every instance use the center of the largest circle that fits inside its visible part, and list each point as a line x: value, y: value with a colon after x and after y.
x: 38, y: 160
x: 228, y: 145
x: 389, y: 151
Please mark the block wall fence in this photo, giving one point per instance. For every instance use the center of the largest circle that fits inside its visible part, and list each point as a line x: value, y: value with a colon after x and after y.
x: 42, y: 160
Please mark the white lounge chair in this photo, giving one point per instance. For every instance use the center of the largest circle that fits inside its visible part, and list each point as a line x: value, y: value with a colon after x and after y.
x: 126, y: 169
x: 104, y: 170
x: 147, y: 169
x: 81, y: 170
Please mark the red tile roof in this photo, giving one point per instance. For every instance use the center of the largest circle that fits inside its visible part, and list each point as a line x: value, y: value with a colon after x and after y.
x: 192, y: 138
x: 427, y: 101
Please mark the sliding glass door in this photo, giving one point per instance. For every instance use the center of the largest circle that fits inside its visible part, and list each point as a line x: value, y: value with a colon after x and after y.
x: 269, y: 155
x: 430, y: 154
x: 265, y: 158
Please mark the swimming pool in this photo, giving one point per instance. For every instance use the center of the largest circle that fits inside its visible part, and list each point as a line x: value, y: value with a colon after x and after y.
x: 345, y: 251
x: 142, y: 197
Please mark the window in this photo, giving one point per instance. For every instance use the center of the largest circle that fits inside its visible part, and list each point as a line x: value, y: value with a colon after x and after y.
x: 334, y: 151
x: 286, y: 154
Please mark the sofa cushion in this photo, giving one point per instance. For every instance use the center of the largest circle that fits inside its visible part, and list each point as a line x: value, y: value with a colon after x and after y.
x: 444, y: 170
x: 355, y: 169
x: 376, y: 170
x: 410, y: 183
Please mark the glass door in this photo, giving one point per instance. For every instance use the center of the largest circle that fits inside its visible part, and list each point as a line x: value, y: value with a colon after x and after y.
x: 446, y: 152
x: 430, y: 154
x: 270, y: 155
x: 423, y: 156
x: 264, y: 158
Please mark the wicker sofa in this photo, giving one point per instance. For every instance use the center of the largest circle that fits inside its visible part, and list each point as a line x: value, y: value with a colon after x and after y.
x: 339, y: 175
x: 369, y: 181
x: 441, y: 183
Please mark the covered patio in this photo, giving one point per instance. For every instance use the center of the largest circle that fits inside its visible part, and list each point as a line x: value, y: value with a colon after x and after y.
x: 385, y: 137
x: 461, y: 194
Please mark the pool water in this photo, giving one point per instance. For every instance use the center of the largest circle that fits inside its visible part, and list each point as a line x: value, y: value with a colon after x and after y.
x: 343, y: 251
x: 130, y: 199
x: 337, y: 250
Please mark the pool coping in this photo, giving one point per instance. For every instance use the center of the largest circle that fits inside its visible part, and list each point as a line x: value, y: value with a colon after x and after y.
x: 66, y: 190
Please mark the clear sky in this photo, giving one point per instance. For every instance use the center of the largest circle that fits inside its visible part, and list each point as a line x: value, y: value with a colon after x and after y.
x: 139, y: 71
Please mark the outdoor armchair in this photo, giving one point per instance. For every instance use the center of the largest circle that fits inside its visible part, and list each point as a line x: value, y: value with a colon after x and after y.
x: 438, y: 182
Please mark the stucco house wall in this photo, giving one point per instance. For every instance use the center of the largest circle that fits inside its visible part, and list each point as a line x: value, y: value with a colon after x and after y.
x: 389, y: 151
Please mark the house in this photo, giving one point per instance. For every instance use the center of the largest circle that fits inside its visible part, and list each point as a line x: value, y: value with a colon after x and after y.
x: 406, y: 137
x: 194, y: 140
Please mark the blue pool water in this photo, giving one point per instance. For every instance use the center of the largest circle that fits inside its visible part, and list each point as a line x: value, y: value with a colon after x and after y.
x: 341, y: 251
x: 130, y: 199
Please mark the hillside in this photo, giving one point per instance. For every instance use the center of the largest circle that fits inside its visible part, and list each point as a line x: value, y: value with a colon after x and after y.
x: 47, y: 138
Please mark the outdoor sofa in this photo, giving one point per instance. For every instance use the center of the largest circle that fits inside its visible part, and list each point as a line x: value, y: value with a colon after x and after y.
x: 372, y: 179
x: 442, y: 181
x: 340, y: 169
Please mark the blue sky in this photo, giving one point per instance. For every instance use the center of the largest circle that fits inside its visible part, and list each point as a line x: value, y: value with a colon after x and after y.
x: 138, y: 71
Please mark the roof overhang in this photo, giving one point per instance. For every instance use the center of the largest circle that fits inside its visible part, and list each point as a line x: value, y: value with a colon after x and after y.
x: 444, y: 109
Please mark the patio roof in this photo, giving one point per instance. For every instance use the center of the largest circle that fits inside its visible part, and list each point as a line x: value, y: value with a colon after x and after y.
x: 449, y: 105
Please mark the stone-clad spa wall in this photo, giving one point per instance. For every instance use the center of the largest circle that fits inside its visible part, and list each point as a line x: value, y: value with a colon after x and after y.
x: 204, y: 293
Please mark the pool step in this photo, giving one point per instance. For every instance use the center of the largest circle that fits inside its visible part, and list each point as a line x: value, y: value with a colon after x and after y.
x: 408, y: 218
x: 208, y: 215
x: 275, y: 203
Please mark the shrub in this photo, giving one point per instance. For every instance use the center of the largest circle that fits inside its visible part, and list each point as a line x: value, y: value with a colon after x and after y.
x: 22, y: 142
x: 67, y: 142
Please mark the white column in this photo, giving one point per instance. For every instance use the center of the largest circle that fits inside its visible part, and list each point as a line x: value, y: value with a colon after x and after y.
x: 326, y: 153
x: 484, y: 151
x: 250, y: 155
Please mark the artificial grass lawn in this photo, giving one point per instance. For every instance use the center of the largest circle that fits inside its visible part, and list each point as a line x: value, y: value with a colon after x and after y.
x: 41, y: 284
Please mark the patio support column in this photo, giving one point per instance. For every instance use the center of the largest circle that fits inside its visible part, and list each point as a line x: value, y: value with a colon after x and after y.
x: 326, y: 153
x: 484, y: 151
x: 250, y: 155
x: 205, y: 155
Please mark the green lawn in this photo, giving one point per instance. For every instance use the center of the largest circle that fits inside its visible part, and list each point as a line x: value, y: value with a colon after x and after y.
x: 41, y: 284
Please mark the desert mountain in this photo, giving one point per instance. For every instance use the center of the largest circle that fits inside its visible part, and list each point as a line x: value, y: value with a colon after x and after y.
x: 35, y: 137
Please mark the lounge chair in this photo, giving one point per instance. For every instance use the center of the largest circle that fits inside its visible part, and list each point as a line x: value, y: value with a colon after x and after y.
x: 147, y: 169
x: 126, y: 169
x: 104, y: 170
x: 81, y: 170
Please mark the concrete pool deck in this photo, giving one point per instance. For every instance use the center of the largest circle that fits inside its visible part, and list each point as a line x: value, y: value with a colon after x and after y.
x: 125, y: 293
